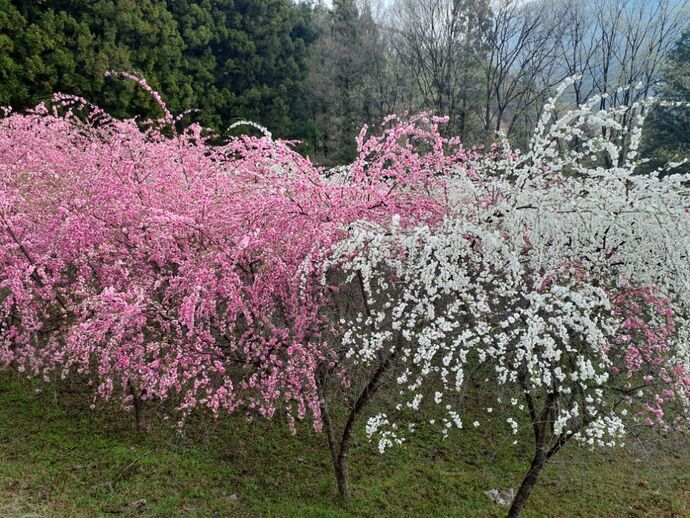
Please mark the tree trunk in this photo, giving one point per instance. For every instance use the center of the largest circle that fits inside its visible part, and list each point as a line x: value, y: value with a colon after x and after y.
x: 138, y: 407
x: 499, y: 119
x: 538, y: 463
x: 341, y: 477
x: 339, y: 450
x: 337, y: 456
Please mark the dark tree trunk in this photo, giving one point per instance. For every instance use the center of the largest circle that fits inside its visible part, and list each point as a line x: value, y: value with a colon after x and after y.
x: 339, y: 461
x: 138, y: 407
x: 499, y: 119
x: 340, y: 448
x: 541, y: 423
x: 538, y: 463
x: 341, y: 478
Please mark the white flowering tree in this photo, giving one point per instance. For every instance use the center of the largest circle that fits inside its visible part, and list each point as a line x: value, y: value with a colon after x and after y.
x: 563, y: 281
x: 412, y: 303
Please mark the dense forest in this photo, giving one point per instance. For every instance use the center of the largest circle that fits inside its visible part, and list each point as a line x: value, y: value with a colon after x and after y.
x: 317, y: 72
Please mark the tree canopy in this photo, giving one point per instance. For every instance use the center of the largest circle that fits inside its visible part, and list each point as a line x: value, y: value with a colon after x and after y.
x: 229, y: 59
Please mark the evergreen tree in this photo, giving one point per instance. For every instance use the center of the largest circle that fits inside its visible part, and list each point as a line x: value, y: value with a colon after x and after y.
x: 230, y: 59
x: 666, y: 136
x: 346, y: 63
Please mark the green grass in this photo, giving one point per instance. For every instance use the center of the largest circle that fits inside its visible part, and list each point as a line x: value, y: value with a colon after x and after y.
x: 60, y: 459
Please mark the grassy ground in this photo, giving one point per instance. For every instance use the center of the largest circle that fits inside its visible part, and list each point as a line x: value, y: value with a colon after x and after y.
x: 59, y: 459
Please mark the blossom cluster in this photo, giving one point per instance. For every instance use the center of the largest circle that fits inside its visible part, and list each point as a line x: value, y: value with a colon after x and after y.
x: 162, y: 267
x: 231, y: 276
x: 559, y: 277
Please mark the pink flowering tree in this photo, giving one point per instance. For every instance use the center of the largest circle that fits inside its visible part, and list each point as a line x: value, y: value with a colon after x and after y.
x: 161, y: 267
x: 154, y: 264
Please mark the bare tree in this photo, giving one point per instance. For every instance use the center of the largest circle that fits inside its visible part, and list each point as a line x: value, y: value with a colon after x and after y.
x: 490, y: 65
x: 440, y: 42
x: 522, y: 42
x: 611, y: 44
x: 607, y: 44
